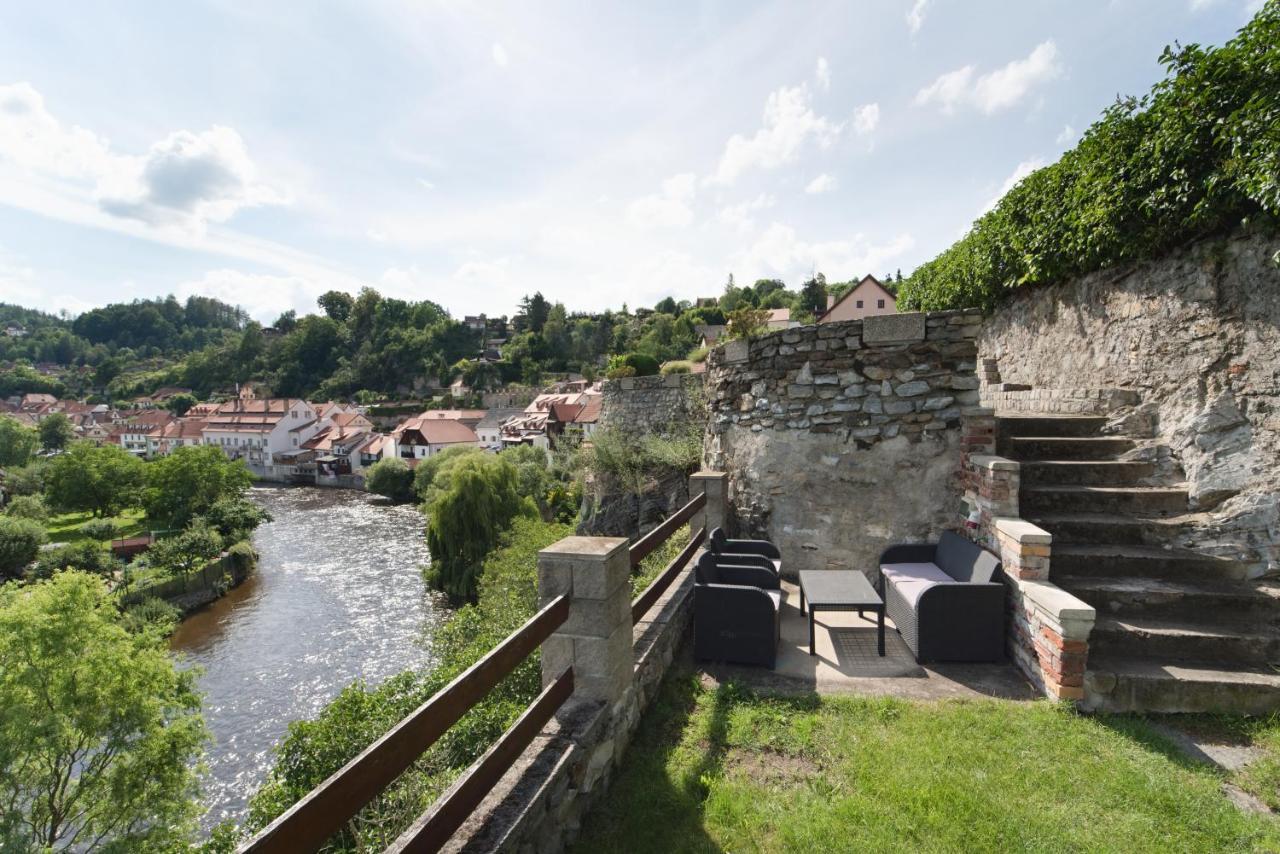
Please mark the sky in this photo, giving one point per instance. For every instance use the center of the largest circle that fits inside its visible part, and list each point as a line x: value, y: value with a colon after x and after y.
x: 472, y: 152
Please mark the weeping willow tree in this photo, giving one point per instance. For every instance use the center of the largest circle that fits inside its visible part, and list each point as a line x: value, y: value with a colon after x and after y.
x: 474, y: 499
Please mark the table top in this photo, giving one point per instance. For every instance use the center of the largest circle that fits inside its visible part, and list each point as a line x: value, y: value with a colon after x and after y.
x: 837, y: 588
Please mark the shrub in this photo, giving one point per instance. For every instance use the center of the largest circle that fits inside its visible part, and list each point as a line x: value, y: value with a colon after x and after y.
x: 20, y: 542
x: 676, y: 367
x: 235, y: 517
x: 746, y: 323
x: 150, y: 614
x: 243, y: 557
x: 99, y: 529
x: 1197, y: 156
x: 620, y: 372
x: 30, y: 507
x: 644, y: 364
x: 698, y: 355
x: 86, y: 557
x: 26, y: 480
x: 391, y: 478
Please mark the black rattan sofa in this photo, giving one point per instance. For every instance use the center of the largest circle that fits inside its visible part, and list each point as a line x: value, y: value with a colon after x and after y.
x: 737, y: 612
x: 946, y: 600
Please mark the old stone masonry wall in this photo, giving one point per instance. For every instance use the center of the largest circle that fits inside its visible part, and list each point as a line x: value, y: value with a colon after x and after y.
x: 843, y: 438
x: 640, y: 405
x: 1188, y: 349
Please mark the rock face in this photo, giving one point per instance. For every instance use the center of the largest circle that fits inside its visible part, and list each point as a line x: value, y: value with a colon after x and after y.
x: 837, y: 447
x: 1191, y: 345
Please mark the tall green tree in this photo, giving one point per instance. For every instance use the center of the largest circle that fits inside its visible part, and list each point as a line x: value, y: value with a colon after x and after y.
x: 180, y: 403
x: 188, y: 551
x: 103, y: 480
x: 56, y: 432
x: 391, y: 478
x: 20, y: 541
x: 190, y: 481
x: 336, y: 304
x: 467, y: 518
x: 99, y: 731
x: 18, y: 442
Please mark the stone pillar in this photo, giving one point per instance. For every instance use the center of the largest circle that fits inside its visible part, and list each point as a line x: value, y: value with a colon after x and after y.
x: 715, y: 485
x: 596, y: 638
x: 1023, y: 548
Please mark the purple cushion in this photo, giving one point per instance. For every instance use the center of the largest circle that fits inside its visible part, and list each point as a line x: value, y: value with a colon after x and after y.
x: 911, y: 580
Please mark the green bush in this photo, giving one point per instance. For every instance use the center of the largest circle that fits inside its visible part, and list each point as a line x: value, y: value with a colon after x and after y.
x: 644, y: 364
x: 620, y: 373
x: 151, y: 613
x: 677, y: 367
x: 391, y: 478
x: 425, y: 472
x: 84, y: 556
x: 31, y: 507
x: 26, y: 480
x: 99, y: 529
x: 235, y: 517
x: 698, y: 355
x: 1198, y: 156
x: 20, y: 542
x: 243, y: 556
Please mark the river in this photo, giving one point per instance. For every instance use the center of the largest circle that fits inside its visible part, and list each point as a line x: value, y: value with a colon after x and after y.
x: 338, y: 596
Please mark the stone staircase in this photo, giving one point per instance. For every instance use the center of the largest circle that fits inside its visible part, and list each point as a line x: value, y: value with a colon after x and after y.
x: 1177, y: 631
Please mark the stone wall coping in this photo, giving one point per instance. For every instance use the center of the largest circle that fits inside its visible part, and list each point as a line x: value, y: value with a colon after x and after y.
x: 1055, y: 602
x: 1022, y: 531
x: 994, y: 463
x: 978, y: 412
x: 596, y: 548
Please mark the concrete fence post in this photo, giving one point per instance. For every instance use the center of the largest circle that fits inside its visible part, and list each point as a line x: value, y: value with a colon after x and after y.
x: 596, y: 639
x: 715, y: 484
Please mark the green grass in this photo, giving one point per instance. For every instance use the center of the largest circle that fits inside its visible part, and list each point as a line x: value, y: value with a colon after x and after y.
x: 723, y: 770
x: 65, y: 527
x: 651, y: 567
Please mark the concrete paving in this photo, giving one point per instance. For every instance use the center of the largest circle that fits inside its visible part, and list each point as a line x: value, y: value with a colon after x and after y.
x: 846, y: 662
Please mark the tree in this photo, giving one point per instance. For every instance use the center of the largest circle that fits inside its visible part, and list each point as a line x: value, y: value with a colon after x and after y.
x: 103, y: 480
x: 190, y: 481
x: 286, y: 321
x: 813, y: 295
x: 18, y: 442
x: 99, y: 730
x: 235, y: 517
x: 28, y: 507
x: 20, y: 542
x: 424, y: 474
x: 747, y: 322
x: 85, y: 556
x: 536, y: 310
x: 391, y: 478
x: 56, y: 432
x: 180, y: 403
x: 336, y: 304
x: 467, y: 518
x: 188, y: 551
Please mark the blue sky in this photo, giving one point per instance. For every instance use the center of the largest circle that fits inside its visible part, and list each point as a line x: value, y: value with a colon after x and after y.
x: 469, y: 153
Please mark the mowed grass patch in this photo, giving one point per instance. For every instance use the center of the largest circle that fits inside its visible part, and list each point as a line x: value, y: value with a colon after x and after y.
x: 66, y: 527
x: 724, y: 770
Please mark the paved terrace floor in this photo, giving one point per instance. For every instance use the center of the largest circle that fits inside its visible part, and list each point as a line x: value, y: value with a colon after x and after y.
x: 847, y: 663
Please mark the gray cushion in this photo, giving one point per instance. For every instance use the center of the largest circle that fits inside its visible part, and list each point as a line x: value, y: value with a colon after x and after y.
x: 965, y: 561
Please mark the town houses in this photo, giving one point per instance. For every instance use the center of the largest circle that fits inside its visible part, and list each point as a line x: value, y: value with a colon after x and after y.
x: 290, y: 440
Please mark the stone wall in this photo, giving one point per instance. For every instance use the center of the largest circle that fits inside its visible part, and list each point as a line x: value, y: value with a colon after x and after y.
x: 1184, y: 350
x: 843, y: 438
x: 636, y: 407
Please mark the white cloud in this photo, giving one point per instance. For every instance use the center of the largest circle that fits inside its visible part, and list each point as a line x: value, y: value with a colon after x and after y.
x: 824, y: 183
x: 866, y: 118
x: 823, y: 74
x: 264, y: 297
x: 500, y: 57
x: 789, y: 123
x: 780, y: 251
x: 667, y: 209
x: 425, y: 184
x: 915, y: 15
x: 186, y: 179
x: 1201, y: 5
x: 1067, y: 136
x: 739, y: 216
x: 1253, y: 7
x: 1020, y: 171
x: 995, y: 90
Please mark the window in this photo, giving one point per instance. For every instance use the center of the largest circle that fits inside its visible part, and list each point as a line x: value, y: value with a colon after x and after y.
x: 859, y: 303
x: 294, y: 413
x: 879, y: 303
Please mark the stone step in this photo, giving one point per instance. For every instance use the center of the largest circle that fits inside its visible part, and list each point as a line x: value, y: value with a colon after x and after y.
x: 1222, y: 601
x: 1117, y: 528
x: 1141, y: 561
x: 1085, y: 472
x: 1183, y: 640
x: 1121, y: 684
x: 1128, y: 500
x: 1049, y: 425
x: 1064, y: 448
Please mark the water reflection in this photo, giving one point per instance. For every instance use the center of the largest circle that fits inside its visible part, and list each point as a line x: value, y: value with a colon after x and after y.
x: 338, y: 596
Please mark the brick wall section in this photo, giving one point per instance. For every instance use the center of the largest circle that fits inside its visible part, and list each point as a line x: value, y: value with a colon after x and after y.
x: 1012, y: 398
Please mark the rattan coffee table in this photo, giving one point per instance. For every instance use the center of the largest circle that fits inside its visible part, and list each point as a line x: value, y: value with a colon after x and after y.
x: 840, y: 590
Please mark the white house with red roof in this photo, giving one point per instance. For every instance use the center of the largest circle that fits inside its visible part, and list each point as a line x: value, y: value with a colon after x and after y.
x: 266, y: 433
x: 422, y: 436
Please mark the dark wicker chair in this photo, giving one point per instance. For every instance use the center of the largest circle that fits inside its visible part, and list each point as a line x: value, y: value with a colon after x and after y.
x: 946, y: 599
x: 720, y: 544
x: 737, y: 610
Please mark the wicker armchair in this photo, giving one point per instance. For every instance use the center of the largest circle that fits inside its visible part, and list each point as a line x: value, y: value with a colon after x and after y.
x: 736, y: 612
x: 720, y: 544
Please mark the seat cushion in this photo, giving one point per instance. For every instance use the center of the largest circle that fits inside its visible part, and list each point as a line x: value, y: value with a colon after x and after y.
x: 911, y: 580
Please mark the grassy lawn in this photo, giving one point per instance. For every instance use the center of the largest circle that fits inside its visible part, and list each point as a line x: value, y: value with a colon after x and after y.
x: 722, y: 770
x: 65, y: 527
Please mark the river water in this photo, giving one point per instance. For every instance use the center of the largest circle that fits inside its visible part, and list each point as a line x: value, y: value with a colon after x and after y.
x: 338, y: 596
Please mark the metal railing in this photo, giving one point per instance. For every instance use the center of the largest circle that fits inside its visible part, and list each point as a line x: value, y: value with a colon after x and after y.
x: 326, y: 809
x: 647, y: 544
